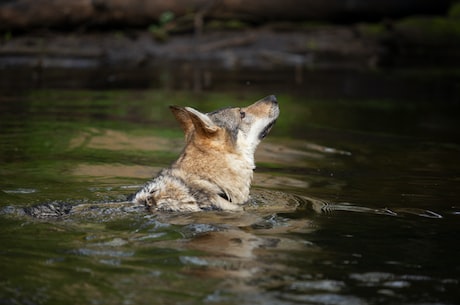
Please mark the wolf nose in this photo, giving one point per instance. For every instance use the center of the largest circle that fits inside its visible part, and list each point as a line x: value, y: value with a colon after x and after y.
x: 271, y: 98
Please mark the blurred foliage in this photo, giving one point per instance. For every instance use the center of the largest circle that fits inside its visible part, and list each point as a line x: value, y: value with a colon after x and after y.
x: 435, y: 30
x: 161, y: 29
x: 454, y: 11
x: 7, y: 36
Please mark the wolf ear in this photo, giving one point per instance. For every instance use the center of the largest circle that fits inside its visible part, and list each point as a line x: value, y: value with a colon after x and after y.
x: 202, y: 123
x: 191, y: 119
x: 183, y: 118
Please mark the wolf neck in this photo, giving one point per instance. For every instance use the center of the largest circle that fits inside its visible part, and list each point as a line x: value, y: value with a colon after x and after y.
x: 230, y: 172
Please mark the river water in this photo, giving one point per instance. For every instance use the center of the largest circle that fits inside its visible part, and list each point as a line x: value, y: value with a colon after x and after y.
x: 355, y: 199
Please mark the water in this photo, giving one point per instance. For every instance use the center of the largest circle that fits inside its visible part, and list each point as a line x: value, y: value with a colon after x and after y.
x: 387, y: 171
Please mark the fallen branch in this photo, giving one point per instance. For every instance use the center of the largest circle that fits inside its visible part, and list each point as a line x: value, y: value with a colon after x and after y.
x: 227, y: 43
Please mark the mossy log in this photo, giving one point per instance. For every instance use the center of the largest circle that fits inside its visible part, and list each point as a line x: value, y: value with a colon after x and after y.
x: 27, y: 14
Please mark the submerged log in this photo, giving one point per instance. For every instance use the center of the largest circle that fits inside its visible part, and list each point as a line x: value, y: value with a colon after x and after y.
x: 26, y: 14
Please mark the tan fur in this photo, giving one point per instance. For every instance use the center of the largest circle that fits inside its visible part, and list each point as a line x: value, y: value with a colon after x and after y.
x: 215, y: 169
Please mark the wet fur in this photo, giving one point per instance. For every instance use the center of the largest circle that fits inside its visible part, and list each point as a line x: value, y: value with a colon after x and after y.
x: 215, y: 169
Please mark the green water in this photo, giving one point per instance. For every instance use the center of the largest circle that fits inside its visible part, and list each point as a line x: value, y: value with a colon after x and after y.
x: 390, y: 168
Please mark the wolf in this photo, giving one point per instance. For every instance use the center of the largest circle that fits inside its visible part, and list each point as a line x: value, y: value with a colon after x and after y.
x: 215, y: 169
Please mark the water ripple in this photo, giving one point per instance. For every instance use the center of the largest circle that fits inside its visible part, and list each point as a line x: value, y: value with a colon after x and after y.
x: 325, y: 299
x: 20, y: 191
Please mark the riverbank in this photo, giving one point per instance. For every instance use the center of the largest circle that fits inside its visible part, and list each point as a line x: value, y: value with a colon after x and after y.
x: 433, y: 41
x: 229, y: 51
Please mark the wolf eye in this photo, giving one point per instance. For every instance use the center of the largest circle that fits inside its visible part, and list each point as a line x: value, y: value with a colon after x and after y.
x: 242, y: 114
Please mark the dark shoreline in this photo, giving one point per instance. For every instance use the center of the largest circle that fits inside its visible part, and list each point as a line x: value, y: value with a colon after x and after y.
x: 408, y: 53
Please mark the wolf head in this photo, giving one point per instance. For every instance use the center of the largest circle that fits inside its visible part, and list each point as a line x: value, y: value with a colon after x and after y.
x: 237, y: 129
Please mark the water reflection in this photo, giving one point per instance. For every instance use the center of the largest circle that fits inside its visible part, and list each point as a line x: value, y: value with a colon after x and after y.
x: 118, y: 140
